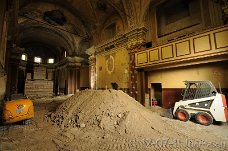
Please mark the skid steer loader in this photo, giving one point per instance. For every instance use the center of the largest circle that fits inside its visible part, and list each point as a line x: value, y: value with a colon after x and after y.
x: 201, y: 101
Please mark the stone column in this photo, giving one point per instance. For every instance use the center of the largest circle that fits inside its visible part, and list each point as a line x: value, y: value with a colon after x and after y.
x: 92, y: 71
x: 56, y: 82
x: 12, y: 70
x: 21, y: 76
x: 92, y: 67
x: 73, y: 79
x: 71, y: 67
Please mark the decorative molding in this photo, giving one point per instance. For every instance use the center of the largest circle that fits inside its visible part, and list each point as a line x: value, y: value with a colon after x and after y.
x: 110, y: 64
x: 117, y: 42
x: 131, y: 39
x: 75, y: 62
x: 189, y: 35
x: 162, y: 52
x: 224, y: 39
x: 90, y: 51
x: 137, y: 46
x: 144, y: 59
x: 202, y: 42
x: 189, y: 48
x: 198, y: 48
x: 154, y: 51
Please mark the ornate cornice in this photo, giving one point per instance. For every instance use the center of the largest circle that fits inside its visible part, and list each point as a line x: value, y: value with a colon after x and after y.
x: 137, y: 31
x: 70, y: 62
x: 136, y: 39
x: 111, y: 44
x: 131, y: 39
x: 92, y: 60
x: 137, y: 46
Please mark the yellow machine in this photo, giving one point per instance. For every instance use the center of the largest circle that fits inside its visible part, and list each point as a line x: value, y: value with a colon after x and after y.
x: 19, y: 108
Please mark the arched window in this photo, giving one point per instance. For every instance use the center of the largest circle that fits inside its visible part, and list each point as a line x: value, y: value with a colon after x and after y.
x: 24, y: 57
x: 51, y: 60
x: 37, y: 59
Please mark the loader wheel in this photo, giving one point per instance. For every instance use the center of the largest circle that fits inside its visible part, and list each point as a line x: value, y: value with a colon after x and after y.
x: 182, y: 115
x: 204, y: 118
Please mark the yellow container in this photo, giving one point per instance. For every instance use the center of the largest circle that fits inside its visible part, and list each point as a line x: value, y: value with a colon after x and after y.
x: 17, y: 110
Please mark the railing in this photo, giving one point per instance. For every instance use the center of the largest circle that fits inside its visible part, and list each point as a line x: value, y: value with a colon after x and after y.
x: 201, y: 46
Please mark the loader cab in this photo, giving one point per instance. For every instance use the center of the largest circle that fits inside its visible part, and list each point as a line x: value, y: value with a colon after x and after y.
x: 198, y: 89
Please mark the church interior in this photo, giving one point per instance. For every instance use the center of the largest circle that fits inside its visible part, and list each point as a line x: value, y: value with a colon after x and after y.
x: 144, y: 48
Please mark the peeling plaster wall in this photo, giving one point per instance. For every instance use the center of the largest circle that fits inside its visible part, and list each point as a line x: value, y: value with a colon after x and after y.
x: 120, y: 73
x: 71, y: 20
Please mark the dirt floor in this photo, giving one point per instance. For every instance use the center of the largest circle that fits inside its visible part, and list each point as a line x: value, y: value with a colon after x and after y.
x: 104, y: 121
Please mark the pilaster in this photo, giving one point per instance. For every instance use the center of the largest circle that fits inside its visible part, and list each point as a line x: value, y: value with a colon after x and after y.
x: 136, y: 43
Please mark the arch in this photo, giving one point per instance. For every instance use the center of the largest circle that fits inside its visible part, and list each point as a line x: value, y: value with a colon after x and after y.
x: 63, y: 39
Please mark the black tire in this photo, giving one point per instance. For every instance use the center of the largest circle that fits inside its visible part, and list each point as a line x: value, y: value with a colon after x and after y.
x: 182, y: 115
x: 204, y: 118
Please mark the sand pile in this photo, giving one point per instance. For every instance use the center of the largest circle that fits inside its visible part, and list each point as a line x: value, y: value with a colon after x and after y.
x: 110, y: 110
x: 101, y: 120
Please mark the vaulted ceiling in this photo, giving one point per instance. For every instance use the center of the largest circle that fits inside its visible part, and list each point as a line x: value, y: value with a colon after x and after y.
x: 63, y: 25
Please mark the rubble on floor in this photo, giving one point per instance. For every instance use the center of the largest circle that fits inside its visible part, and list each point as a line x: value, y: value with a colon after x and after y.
x: 112, y: 120
x: 101, y: 120
x: 110, y: 110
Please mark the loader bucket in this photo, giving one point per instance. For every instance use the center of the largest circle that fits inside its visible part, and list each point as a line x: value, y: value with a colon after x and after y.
x: 168, y: 113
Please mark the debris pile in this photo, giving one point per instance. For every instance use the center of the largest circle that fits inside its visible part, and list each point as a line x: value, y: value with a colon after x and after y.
x: 109, y: 110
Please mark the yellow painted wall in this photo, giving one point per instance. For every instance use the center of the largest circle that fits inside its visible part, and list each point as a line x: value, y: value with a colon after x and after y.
x: 120, y: 74
x: 173, y: 78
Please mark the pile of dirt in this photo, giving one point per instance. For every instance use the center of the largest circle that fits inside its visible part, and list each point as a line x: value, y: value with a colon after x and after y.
x: 112, y: 120
x: 110, y: 110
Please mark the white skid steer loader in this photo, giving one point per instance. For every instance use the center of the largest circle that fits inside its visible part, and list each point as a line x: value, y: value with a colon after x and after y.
x: 201, y: 101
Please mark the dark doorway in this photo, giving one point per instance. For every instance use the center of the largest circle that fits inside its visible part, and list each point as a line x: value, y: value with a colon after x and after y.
x: 21, y: 81
x: 156, y: 93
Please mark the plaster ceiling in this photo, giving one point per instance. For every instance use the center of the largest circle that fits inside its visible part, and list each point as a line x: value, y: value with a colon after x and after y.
x: 83, y: 16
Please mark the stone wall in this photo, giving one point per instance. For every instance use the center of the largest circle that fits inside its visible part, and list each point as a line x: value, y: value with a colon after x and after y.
x: 39, y: 86
x: 113, y: 68
x: 39, y: 72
